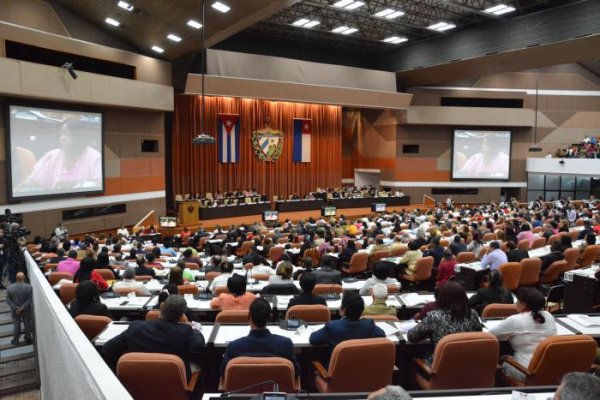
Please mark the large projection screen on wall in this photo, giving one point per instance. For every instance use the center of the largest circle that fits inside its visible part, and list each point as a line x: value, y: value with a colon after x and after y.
x: 54, y: 152
x: 481, y: 155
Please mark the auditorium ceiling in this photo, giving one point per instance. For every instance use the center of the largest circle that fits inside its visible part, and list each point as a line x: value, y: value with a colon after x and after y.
x: 369, y: 22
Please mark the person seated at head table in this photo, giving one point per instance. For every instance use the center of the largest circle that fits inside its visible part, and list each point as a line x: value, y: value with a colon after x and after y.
x: 446, y: 269
x: 260, y: 342
x: 237, y: 298
x: 381, y: 274
x: 525, y: 330
x: 326, y: 274
x: 495, y: 293
x: 87, y: 301
x: 86, y: 272
x: 130, y: 282
x: 453, y: 315
x: 556, y: 254
x: 214, y: 265
x: 351, y: 326
x: 379, y: 305
x: 164, y: 335
x: 307, y: 283
x: 70, y: 265
x: 283, y: 274
x: 513, y: 254
x: 259, y: 268
x: 494, y: 257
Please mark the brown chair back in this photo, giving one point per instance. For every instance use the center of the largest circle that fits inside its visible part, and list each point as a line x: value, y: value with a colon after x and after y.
x: 212, y: 275
x: 511, y: 272
x: 523, y: 244
x: 323, y: 288
x: 552, y: 239
x: 153, y: 315
x: 124, y: 291
x: 192, y: 266
x: 55, y: 277
x: 67, y: 292
x: 187, y: 289
x: 465, y: 257
x: 482, y: 252
x: 358, y: 263
x: 589, y: 255
x: 376, y: 358
x: 488, y: 237
x: 283, y: 240
x: 571, y: 256
x: 261, y: 277
x: 380, y: 317
x: 92, y: 325
x: 153, y: 376
x: 275, y: 253
x: 497, y: 310
x: 530, y: 271
x: 242, y: 372
x: 143, y: 278
x: 245, y: 248
x: 309, y: 313
x: 106, y: 274
x: 538, y: 229
x: 378, y: 255
x: 220, y: 289
x: 314, y: 256
x: 464, y: 360
x: 233, y: 316
x: 538, y: 242
x: 422, y: 272
x: 559, y: 355
x: 399, y: 251
x: 554, y: 271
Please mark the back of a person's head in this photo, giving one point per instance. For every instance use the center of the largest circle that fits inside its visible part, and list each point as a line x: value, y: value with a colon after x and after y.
x: 413, y: 246
x: 187, y: 253
x: 380, y: 291
x: 453, y: 299
x: 390, y: 393
x: 534, y: 300
x: 72, y: 253
x: 494, y: 244
x: 285, y: 270
x: 448, y: 255
x: 456, y: 239
x: 260, y: 312
x: 173, y: 309
x: 308, y: 281
x: 216, y: 260
x: 307, y: 263
x: 150, y: 257
x: 87, y: 293
x: 511, y: 245
x: 129, y: 273
x: 327, y: 262
x: 496, y: 279
x: 140, y: 261
x: 236, y: 285
x: 578, y: 386
x: 256, y: 259
x: 556, y: 246
x: 353, y: 305
x: 176, y: 275
x: 590, y: 238
x: 381, y: 271
x: 226, y: 267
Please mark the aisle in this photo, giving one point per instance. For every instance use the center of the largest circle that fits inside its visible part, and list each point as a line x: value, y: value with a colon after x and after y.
x: 18, y: 367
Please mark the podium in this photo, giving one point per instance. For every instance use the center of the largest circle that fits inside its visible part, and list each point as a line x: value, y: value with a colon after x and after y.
x: 188, y: 213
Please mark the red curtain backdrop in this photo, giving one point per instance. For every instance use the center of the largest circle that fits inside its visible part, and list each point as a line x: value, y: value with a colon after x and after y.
x: 196, y: 168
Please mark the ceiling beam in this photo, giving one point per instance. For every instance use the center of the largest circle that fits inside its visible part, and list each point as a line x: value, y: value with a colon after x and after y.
x: 254, y: 18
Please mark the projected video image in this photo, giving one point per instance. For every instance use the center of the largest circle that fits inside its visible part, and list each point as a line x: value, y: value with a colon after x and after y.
x: 167, y: 222
x: 378, y: 207
x: 270, y: 216
x: 329, y: 211
x: 481, y: 155
x: 54, y: 152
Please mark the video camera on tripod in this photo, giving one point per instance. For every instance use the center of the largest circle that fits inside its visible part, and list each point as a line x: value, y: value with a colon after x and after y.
x: 11, y: 225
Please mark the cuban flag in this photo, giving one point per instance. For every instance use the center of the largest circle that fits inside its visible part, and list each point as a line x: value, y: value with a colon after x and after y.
x: 228, y: 132
x: 302, y: 134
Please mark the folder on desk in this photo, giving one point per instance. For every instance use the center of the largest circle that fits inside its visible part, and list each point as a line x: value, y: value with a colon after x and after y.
x: 585, y: 320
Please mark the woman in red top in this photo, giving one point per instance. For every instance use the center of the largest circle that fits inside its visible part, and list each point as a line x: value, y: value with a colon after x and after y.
x: 86, y: 272
x: 446, y: 268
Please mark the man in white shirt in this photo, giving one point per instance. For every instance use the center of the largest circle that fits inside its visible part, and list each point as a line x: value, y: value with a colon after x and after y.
x: 61, y: 232
x: 123, y: 231
x: 130, y: 282
x: 258, y: 268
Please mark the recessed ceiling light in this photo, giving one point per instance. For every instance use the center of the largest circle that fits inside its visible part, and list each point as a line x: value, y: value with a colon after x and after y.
x: 125, y: 5
x: 499, y: 9
x: 349, y: 31
x: 395, y: 15
x: 157, y: 49
x: 385, y: 12
x: 112, y: 22
x: 441, y: 26
x: 348, y: 4
x: 194, y: 24
x: 301, y: 22
x: 340, y: 29
x: 217, y: 5
x: 174, y: 38
x: 311, y: 24
x: 395, y: 39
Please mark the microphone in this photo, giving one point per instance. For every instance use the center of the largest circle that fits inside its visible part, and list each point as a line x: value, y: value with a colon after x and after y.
x: 275, y: 388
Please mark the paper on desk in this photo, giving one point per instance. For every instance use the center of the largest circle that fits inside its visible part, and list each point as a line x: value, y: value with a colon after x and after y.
x: 111, y: 331
x: 283, y: 301
x: 388, y: 328
x: 585, y: 320
x: 229, y: 333
x: 406, y: 326
x: 413, y: 299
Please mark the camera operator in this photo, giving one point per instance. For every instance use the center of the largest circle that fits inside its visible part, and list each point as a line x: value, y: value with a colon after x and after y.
x: 2, y: 258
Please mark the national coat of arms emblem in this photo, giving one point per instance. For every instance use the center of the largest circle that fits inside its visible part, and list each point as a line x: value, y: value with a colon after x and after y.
x: 267, y: 143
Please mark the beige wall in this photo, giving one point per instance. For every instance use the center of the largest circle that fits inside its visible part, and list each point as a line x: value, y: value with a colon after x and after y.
x: 32, y: 14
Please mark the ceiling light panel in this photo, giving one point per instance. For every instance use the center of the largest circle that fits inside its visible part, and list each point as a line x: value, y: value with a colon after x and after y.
x: 125, y: 5
x: 217, y: 5
x: 174, y: 38
x: 194, y: 24
x: 157, y: 49
x: 112, y: 22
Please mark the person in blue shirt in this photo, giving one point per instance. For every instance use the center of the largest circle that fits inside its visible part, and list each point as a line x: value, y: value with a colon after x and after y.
x: 494, y: 257
x: 349, y: 327
x: 260, y: 342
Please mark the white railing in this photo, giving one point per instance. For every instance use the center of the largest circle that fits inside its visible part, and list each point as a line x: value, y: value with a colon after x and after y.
x: 70, y: 367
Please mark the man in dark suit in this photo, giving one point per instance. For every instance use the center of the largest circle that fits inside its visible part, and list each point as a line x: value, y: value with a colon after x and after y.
x: 457, y: 246
x: 260, y: 342
x: 513, y: 254
x: 326, y: 274
x: 307, y: 283
x: 556, y: 254
x: 349, y: 327
x: 164, y: 335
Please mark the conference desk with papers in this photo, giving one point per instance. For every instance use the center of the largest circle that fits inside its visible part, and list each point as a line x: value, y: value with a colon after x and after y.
x: 361, y: 202
x: 235, y: 210
x: 299, y: 205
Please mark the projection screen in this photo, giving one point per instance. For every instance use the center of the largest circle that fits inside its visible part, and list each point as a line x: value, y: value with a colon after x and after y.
x: 481, y: 155
x: 54, y: 152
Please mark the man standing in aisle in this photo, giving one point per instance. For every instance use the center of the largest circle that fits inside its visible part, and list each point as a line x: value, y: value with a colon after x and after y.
x: 18, y: 297
x: 61, y: 232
